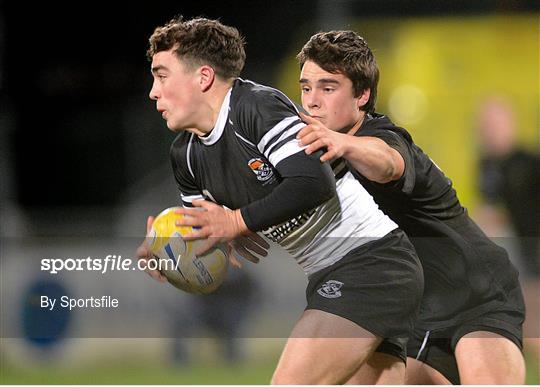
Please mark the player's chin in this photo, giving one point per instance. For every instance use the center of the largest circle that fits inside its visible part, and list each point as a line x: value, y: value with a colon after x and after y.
x: 173, y: 126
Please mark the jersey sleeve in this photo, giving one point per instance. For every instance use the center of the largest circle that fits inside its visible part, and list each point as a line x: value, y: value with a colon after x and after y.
x: 407, y: 181
x: 183, y: 175
x: 306, y: 184
x: 270, y: 121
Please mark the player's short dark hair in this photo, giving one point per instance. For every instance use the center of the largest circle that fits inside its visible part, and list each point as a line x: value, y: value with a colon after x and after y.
x: 347, y: 53
x: 202, y: 41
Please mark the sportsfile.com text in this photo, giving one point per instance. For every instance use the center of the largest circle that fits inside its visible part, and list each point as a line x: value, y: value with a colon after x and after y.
x: 110, y: 262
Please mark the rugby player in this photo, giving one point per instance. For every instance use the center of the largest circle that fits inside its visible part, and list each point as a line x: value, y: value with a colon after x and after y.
x: 236, y: 157
x: 469, y: 328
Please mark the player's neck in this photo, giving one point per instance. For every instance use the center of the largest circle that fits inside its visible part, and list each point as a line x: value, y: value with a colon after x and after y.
x: 212, y: 107
x: 357, y: 124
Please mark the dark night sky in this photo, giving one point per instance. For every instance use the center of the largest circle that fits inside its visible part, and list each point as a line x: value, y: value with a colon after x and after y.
x: 68, y: 71
x: 70, y: 68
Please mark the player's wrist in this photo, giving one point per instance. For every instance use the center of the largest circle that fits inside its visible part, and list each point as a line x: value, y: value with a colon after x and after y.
x: 241, y: 226
x: 346, y: 147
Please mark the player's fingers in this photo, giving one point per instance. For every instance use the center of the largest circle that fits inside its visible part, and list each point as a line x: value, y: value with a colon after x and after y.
x: 149, y: 223
x: 142, y: 251
x: 328, y: 156
x: 240, y: 251
x: 200, y: 233
x: 307, y: 119
x: 233, y: 260
x: 204, y: 204
x: 258, y: 239
x: 231, y: 256
x: 247, y: 243
x: 315, y: 146
x: 308, y: 138
x: 305, y: 131
x: 188, y: 211
x: 145, y: 261
x: 155, y: 274
x: 190, y: 221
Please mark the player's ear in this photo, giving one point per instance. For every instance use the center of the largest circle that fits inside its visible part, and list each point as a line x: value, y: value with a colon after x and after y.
x: 363, y: 98
x: 207, y: 76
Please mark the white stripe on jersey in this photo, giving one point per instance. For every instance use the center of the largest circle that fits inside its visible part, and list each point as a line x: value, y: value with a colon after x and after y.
x: 187, y: 200
x: 190, y: 198
x: 245, y: 140
x: 188, y: 151
x: 295, y: 129
x: 288, y: 149
x: 275, y: 131
x: 348, y: 220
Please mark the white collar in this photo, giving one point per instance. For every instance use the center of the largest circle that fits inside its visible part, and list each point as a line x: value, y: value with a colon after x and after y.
x: 215, y: 134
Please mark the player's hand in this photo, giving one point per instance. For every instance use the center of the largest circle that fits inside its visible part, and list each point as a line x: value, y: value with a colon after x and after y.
x: 215, y: 223
x: 143, y: 254
x: 317, y: 136
x: 246, y: 246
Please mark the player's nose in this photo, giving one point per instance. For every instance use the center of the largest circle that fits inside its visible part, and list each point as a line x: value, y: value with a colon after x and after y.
x: 313, y: 100
x: 154, y: 95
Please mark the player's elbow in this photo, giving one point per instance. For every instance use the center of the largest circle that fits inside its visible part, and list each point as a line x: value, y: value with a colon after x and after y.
x: 387, y: 168
x: 325, y: 187
x: 318, y: 189
x: 329, y: 190
x: 386, y: 175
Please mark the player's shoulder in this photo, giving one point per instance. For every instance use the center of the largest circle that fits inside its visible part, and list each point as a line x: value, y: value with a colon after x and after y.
x: 244, y: 88
x: 379, y: 125
x: 248, y: 94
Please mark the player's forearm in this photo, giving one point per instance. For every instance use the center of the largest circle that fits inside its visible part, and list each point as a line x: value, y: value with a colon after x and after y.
x: 292, y: 198
x: 306, y: 184
x: 373, y: 158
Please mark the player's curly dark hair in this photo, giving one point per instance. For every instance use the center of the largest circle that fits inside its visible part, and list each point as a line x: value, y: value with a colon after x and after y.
x: 201, y: 41
x: 347, y: 53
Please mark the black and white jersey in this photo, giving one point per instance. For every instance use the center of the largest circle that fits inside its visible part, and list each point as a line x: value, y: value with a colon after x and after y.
x: 465, y: 273
x: 242, y: 161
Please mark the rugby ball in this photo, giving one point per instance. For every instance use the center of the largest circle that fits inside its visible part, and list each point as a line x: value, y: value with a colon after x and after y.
x: 175, y: 257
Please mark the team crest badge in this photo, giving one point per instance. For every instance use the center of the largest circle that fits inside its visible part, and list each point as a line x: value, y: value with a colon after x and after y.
x: 261, y: 169
x: 330, y: 289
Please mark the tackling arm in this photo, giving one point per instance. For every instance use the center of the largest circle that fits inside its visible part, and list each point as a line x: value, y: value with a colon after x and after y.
x: 374, y: 158
x: 370, y: 156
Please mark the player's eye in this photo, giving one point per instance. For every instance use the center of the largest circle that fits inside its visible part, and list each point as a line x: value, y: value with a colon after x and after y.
x: 305, y: 89
x: 328, y: 89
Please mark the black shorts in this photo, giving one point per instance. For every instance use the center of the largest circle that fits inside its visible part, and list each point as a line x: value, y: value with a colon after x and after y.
x: 396, y: 347
x: 378, y: 286
x: 436, y: 348
x: 466, y: 276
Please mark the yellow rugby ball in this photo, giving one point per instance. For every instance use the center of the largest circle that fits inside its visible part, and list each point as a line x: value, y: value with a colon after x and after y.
x: 176, y: 259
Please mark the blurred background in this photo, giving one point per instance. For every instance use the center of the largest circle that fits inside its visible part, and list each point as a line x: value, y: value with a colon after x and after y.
x: 84, y: 160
